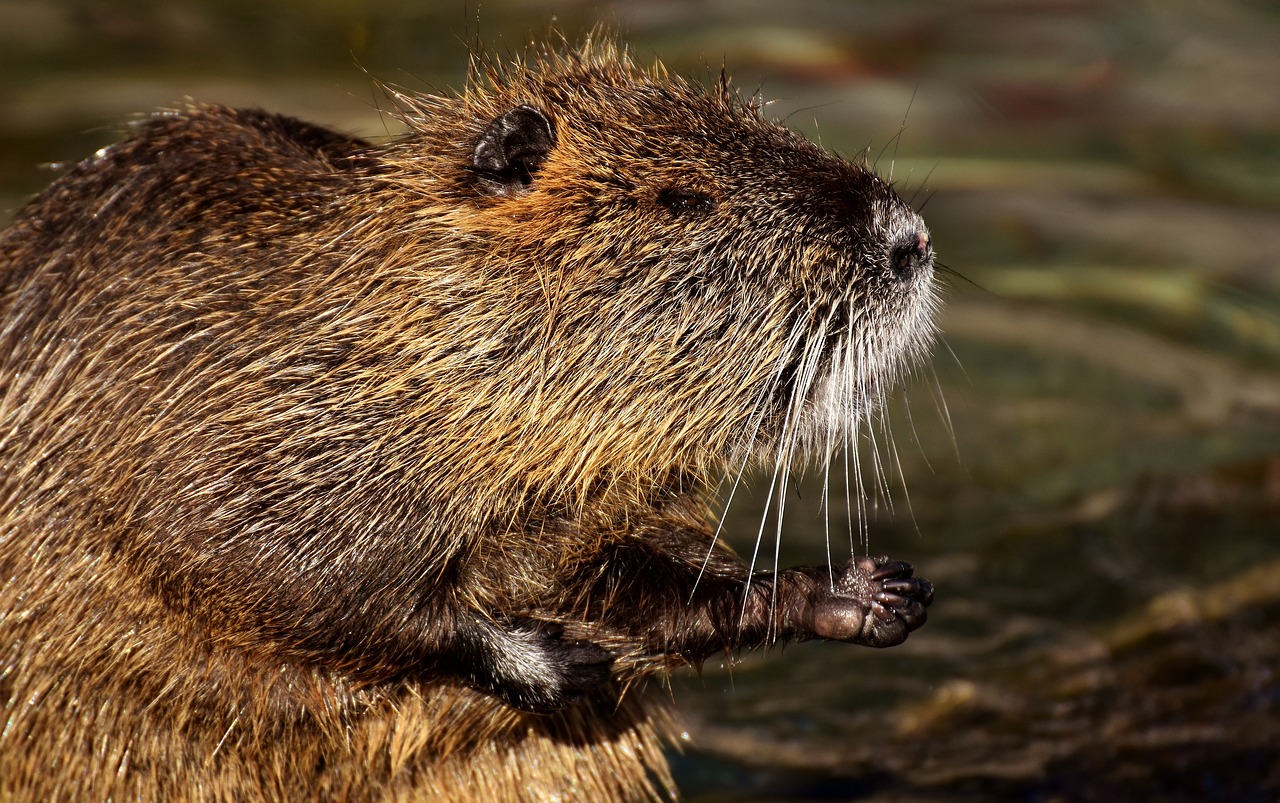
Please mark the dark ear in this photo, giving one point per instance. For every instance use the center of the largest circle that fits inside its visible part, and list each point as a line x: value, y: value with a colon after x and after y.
x: 511, y: 149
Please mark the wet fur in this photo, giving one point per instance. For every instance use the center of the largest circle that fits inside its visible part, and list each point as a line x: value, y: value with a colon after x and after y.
x: 323, y: 463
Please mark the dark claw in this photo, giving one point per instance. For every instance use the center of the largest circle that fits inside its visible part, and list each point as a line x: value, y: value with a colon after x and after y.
x: 893, y: 568
x: 926, y: 593
x: 891, y: 600
x: 906, y: 585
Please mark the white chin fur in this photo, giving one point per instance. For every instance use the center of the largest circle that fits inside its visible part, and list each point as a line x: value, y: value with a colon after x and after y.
x: 843, y: 395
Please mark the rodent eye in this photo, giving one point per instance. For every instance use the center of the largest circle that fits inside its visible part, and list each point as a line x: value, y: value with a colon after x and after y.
x: 682, y: 202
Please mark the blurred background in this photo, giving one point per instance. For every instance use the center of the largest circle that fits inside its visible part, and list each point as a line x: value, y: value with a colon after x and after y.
x: 1088, y: 469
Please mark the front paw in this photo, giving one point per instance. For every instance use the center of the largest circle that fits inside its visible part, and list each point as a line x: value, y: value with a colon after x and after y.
x: 533, y: 668
x: 577, y: 668
x: 875, y: 602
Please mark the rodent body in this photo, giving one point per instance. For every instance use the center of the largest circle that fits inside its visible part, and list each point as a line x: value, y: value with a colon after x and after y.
x: 360, y: 471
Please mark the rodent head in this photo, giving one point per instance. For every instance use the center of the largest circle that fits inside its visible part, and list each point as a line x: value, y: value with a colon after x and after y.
x: 698, y: 283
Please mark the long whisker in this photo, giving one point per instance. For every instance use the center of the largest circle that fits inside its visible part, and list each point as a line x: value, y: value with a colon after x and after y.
x: 916, y: 192
x: 896, y: 458
x: 878, y: 472
x: 940, y: 403
x: 799, y: 399
x: 851, y: 372
x: 896, y: 139
x: 764, y: 517
x: 781, y: 468
x: 757, y: 417
x: 831, y: 431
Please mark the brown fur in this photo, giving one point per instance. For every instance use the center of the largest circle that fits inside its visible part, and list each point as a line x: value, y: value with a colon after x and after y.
x: 283, y: 413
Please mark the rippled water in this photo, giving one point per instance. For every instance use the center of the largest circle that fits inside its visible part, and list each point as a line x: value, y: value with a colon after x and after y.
x: 1100, y: 515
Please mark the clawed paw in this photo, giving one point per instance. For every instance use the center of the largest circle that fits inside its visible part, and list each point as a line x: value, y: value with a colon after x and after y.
x: 534, y: 668
x: 580, y: 667
x: 875, y: 601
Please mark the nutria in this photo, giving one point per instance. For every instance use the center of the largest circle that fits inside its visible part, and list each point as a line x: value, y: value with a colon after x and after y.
x: 347, y: 471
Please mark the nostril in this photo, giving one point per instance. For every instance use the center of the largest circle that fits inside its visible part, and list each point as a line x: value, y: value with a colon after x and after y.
x: 907, y: 259
x: 922, y: 244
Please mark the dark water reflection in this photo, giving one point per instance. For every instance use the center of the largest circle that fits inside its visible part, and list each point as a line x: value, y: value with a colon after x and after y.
x: 1101, y: 517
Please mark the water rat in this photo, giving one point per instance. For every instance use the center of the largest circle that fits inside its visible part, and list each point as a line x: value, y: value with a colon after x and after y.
x: 356, y: 471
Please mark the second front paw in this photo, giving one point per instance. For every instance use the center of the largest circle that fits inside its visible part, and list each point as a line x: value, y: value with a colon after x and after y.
x: 534, y: 668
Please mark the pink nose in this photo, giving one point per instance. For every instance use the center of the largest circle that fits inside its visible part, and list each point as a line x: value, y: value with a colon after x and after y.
x: 922, y: 244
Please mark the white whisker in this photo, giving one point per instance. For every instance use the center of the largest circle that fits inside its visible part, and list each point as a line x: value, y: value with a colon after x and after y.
x: 795, y: 339
x: 757, y: 417
x: 810, y: 363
